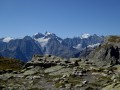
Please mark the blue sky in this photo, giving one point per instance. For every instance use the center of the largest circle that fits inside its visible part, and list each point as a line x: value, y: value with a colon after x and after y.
x: 65, y: 18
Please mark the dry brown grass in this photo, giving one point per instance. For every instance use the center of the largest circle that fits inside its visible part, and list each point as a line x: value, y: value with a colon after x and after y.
x: 114, y: 39
x: 12, y: 64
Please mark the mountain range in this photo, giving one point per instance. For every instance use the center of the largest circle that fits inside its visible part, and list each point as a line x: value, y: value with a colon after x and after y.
x: 48, y: 43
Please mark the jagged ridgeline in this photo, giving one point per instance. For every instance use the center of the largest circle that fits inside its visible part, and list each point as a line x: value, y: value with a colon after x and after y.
x: 48, y: 43
x: 108, y: 52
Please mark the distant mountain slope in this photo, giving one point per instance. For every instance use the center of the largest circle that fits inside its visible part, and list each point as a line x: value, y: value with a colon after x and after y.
x: 82, y: 42
x: 22, y: 49
x: 47, y: 43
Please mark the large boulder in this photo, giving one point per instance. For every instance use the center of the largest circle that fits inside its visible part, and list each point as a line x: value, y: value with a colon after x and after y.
x: 42, y: 61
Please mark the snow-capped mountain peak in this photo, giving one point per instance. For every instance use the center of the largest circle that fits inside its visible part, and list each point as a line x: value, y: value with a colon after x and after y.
x: 48, y: 33
x: 38, y: 35
x: 49, y: 43
x: 42, y: 38
x: 7, y: 39
x: 85, y: 36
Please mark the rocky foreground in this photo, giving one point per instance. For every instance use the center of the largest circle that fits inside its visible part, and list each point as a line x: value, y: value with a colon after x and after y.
x: 55, y: 73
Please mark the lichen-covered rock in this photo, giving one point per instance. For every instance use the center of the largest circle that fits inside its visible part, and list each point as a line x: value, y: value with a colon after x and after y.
x: 64, y: 75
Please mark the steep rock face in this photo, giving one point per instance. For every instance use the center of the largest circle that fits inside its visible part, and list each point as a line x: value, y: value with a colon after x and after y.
x: 55, y: 48
x: 108, y: 52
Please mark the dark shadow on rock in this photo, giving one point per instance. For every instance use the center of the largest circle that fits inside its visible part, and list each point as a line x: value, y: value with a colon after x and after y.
x: 114, y: 55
